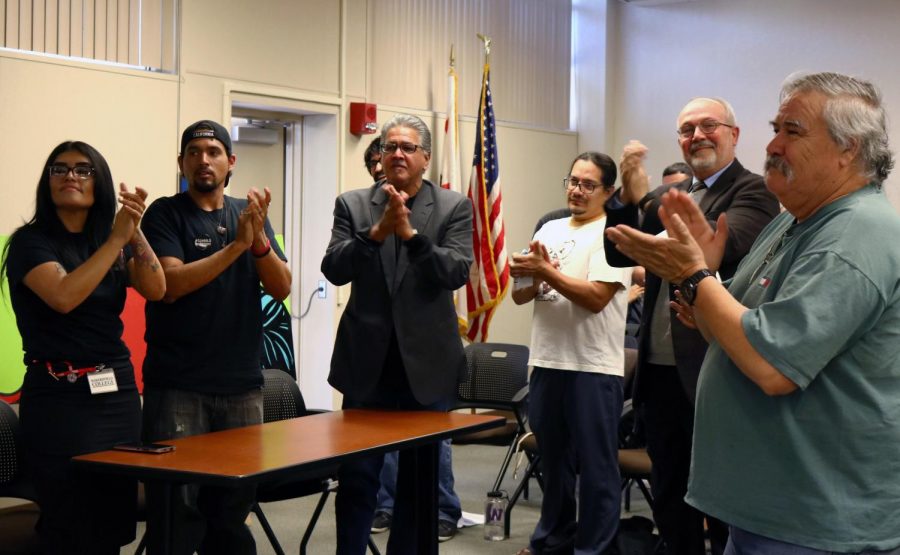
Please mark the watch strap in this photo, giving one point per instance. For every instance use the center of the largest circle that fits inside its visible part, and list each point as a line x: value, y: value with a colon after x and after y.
x: 689, y: 286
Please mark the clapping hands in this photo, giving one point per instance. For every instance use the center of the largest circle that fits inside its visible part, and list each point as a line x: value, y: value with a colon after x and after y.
x: 395, y: 219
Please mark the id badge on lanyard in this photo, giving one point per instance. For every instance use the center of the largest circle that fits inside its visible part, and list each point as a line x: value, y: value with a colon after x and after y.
x: 102, y: 381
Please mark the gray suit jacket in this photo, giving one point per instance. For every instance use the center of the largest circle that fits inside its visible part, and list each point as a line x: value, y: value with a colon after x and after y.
x: 410, y: 292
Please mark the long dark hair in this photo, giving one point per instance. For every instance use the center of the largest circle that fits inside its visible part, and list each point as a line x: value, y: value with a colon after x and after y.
x: 100, y: 216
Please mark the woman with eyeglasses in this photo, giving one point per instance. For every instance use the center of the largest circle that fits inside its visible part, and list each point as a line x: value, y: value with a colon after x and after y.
x: 67, y: 269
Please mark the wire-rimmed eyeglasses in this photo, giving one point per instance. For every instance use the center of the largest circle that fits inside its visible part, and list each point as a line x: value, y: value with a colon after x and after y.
x: 708, y: 127
x: 587, y: 186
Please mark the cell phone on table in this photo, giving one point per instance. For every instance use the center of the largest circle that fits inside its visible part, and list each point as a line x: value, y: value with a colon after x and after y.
x: 145, y: 447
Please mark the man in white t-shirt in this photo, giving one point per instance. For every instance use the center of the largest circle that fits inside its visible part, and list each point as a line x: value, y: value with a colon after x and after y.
x: 578, y: 358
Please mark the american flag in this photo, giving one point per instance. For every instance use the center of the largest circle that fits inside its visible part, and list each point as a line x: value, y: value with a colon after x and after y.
x: 450, y: 175
x: 489, y: 274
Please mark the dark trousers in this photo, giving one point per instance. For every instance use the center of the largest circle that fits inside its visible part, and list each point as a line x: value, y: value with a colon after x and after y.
x: 575, y: 418
x: 82, y: 513
x: 669, y: 426
x: 209, y: 520
x: 359, y: 480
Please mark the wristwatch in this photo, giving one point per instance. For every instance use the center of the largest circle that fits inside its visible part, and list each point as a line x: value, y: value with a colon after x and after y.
x: 689, y: 286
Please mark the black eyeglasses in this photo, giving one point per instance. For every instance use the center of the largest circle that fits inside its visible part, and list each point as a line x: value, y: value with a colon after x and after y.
x: 708, y: 127
x: 62, y: 170
x: 406, y: 148
x: 587, y: 187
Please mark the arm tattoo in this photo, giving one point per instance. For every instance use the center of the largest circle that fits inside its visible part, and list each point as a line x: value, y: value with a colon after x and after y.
x: 142, y: 253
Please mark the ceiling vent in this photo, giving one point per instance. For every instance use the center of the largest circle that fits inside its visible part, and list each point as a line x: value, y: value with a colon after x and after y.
x: 253, y: 134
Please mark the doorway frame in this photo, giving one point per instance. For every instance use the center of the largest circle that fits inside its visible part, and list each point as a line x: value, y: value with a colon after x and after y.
x: 312, y: 177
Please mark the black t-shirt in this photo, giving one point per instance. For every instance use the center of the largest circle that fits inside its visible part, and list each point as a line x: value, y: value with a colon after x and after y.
x: 207, y: 341
x: 91, y: 333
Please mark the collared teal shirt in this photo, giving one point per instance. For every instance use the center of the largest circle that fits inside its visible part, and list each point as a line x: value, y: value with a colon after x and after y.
x: 819, y: 467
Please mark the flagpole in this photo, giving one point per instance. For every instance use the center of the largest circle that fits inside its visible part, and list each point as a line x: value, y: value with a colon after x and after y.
x: 489, y: 275
x: 450, y: 174
x: 487, y: 47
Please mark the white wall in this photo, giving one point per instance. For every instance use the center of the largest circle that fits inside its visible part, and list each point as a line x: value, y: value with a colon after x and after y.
x: 44, y: 101
x: 742, y: 51
x: 591, y: 39
x: 530, y: 55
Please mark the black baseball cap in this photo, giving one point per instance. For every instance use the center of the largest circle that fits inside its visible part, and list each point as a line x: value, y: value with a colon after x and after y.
x: 206, y: 129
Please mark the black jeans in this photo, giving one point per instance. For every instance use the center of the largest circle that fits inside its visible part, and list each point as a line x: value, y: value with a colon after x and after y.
x: 208, y: 519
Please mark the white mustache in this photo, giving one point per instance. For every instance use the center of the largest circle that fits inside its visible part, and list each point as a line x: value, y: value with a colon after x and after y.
x: 701, y: 144
x: 778, y: 163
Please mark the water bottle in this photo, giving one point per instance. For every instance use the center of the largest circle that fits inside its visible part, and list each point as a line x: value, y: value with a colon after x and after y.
x: 494, y: 516
x: 522, y: 282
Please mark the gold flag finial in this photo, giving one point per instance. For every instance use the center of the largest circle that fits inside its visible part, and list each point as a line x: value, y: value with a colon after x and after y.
x: 487, y: 46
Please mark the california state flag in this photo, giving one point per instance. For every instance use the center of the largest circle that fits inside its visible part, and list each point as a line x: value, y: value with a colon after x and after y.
x: 450, y: 176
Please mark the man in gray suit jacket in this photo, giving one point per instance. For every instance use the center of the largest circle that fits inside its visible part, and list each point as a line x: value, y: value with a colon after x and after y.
x: 404, y: 245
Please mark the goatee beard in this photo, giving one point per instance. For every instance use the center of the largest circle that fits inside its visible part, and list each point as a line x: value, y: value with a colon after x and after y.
x: 702, y: 163
x: 204, y: 187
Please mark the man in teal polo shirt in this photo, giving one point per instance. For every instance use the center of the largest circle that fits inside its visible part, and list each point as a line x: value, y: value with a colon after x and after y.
x: 797, y: 429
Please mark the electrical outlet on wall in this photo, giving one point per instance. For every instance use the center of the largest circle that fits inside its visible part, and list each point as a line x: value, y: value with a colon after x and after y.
x: 323, y: 288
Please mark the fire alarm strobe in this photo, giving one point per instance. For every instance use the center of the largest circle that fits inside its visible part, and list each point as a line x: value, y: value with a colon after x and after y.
x: 363, y: 118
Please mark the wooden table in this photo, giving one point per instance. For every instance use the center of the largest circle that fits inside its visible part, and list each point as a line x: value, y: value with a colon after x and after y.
x: 298, y: 447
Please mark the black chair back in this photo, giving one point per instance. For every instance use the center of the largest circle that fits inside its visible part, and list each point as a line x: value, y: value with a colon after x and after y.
x: 12, y: 480
x: 281, y: 396
x: 17, y: 522
x: 497, y: 372
x: 10, y: 458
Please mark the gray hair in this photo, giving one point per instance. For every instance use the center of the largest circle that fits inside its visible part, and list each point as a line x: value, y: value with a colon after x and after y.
x: 853, y: 113
x: 730, y: 118
x: 412, y: 122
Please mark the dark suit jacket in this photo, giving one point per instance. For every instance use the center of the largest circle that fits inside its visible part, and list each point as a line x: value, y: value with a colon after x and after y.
x: 743, y: 196
x: 410, y: 292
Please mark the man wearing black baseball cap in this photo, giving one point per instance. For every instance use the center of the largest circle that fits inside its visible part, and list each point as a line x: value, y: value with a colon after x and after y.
x: 202, y: 369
